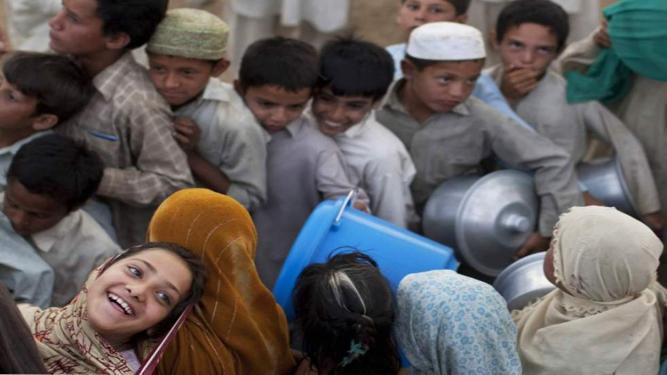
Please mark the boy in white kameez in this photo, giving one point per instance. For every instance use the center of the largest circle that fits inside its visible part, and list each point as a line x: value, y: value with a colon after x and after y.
x: 449, y: 133
x: 304, y: 166
x: 354, y: 76
x: 226, y: 148
x: 49, y: 179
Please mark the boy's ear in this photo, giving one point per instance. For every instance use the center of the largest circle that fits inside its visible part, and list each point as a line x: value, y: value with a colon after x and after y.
x: 117, y: 41
x: 44, y: 121
x: 238, y: 88
x: 492, y: 39
x: 220, y: 67
x: 461, y: 18
x: 408, y: 69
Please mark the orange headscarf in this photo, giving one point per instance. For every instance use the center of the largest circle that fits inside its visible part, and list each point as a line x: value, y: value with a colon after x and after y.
x: 237, y: 328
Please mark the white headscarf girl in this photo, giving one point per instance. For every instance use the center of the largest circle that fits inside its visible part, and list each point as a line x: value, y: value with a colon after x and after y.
x: 605, y: 316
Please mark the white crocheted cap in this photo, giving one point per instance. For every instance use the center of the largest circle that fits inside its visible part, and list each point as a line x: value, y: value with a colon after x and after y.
x: 446, y: 41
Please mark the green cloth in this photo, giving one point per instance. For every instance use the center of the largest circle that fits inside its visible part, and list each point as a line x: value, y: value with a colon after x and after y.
x: 638, y: 32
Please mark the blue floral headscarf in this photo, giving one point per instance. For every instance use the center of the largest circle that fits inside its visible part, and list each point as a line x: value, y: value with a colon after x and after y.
x: 452, y: 324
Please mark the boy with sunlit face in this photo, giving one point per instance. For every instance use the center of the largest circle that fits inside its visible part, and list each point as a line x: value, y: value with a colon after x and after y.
x: 414, y: 13
x: 303, y: 166
x: 530, y: 35
x: 126, y: 123
x: 226, y: 148
x: 449, y: 133
x: 354, y: 76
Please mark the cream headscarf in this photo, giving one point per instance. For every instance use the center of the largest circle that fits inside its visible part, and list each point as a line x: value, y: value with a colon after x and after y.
x: 606, y: 316
x: 66, y: 341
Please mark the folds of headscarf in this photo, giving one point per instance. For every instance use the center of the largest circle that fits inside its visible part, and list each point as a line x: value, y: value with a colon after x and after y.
x: 639, y: 45
x: 452, y: 324
x: 67, y: 343
x: 237, y: 328
x: 606, y: 315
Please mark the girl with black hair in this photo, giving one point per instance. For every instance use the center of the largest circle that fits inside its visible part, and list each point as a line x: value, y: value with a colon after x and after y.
x: 344, y: 310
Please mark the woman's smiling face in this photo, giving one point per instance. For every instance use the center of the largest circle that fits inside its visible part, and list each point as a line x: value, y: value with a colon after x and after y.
x: 136, y: 293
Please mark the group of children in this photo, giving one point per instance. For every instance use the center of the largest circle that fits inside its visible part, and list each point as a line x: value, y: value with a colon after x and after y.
x: 91, y: 142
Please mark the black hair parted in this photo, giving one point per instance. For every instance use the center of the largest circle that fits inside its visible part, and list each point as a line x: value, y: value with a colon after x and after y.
x: 287, y: 63
x: 136, y: 18
x: 194, y: 264
x: 461, y: 6
x: 343, y: 302
x: 61, y: 87
x: 58, y: 167
x: 353, y: 67
x: 542, y: 12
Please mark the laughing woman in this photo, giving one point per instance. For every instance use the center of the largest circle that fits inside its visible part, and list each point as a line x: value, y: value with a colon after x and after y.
x: 125, y: 306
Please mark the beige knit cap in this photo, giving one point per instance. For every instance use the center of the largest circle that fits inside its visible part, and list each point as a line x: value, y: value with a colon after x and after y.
x: 191, y: 33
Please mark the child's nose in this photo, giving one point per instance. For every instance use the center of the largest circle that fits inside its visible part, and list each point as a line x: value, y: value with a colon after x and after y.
x: 171, y: 81
x: 56, y: 21
x: 137, y: 291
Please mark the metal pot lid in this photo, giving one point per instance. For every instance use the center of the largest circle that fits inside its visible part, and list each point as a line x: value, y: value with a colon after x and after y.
x: 523, y: 281
x: 496, y: 216
x: 605, y: 180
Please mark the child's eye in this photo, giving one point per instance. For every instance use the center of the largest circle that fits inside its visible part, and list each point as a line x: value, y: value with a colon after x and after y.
x: 134, y: 271
x: 545, y: 50
x: 163, y: 298
x: 356, y: 106
x: 296, y: 107
x: 266, y: 104
x: 445, y: 80
x: 11, y: 96
x: 516, y: 45
x: 437, y: 10
x: 157, y: 69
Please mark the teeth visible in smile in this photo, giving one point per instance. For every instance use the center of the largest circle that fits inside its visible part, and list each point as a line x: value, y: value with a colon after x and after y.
x: 126, y: 308
x: 332, y: 125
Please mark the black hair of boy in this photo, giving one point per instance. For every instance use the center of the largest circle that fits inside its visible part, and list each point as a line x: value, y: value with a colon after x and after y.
x: 59, y: 168
x: 61, y: 87
x: 194, y: 264
x: 352, y: 67
x: 136, y: 18
x: 329, y: 302
x: 460, y: 6
x: 287, y: 63
x: 542, y: 12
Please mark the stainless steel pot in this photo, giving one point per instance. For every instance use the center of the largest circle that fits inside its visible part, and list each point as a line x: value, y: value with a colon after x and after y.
x: 485, y: 219
x: 523, y: 281
x: 605, y: 181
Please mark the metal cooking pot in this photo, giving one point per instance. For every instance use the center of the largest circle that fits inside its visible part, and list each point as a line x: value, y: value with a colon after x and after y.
x: 605, y: 181
x: 485, y: 219
x: 523, y: 281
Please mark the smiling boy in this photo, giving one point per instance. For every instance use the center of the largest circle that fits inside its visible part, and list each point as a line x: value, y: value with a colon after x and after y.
x: 126, y: 123
x: 354, y: 76
x: 448, y: 133
x: 226, y: 148
x: 530, y: 35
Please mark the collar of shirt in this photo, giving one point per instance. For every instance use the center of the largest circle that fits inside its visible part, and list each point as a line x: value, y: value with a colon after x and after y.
x: 356, y: 130
x: 14, y: 148
x: 108, y: 80
x: 45, y: 239
x: 393, y: 101
x: 215, y: 90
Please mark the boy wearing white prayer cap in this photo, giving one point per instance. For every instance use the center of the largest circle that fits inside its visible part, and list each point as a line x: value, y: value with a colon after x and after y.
x: 449, y: 133
x: 226, y: 147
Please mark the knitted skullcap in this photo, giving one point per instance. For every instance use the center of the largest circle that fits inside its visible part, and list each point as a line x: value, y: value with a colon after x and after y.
x: 191, y: 33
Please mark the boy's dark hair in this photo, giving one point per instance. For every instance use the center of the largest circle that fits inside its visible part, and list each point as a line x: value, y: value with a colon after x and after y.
x: 352, y: 67
x: 196, y: 267
x: 542, y: 12
x: 136, y: 18
x: 343, y: 302
x: 62, y: 88
x: 287, y: 63
x: 58, y: 167
x: 461, y: 6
